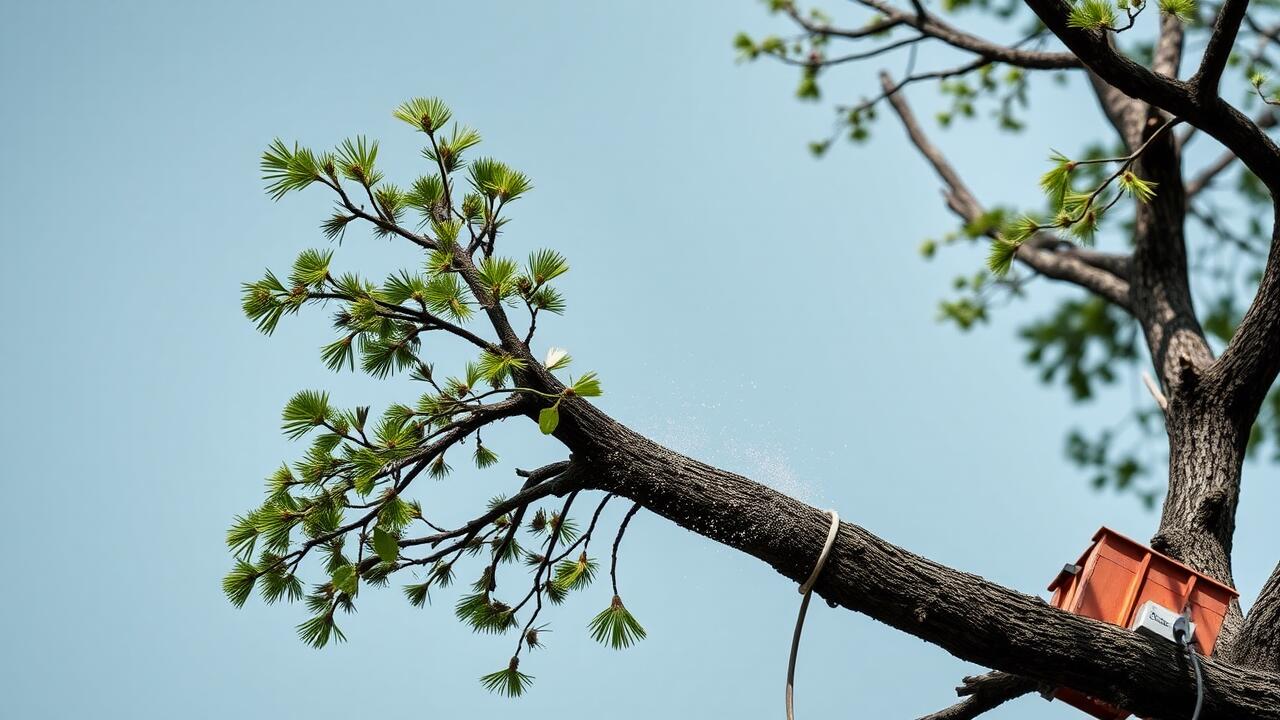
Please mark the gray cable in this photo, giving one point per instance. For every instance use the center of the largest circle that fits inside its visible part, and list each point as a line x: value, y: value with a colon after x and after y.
x: 806, y: 590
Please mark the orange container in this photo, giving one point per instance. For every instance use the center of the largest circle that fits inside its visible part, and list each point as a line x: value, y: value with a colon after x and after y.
x: 1115, y: 576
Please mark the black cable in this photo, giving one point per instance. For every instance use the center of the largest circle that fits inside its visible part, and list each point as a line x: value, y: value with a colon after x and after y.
x: 1180, y: 627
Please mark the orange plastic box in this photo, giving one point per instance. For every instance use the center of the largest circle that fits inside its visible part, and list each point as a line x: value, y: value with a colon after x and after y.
x: 1115, y: 576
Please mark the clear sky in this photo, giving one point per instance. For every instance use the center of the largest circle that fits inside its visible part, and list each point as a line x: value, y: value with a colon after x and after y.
x: 742, y: 301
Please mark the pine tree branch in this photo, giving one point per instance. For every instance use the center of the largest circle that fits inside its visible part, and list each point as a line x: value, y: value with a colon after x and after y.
x: 1057, y: 264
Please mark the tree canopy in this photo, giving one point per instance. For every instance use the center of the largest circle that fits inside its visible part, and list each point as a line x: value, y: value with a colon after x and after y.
x: 1171, y: 288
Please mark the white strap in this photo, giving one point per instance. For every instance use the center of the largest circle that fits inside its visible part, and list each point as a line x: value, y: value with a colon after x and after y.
x: 806, y: 589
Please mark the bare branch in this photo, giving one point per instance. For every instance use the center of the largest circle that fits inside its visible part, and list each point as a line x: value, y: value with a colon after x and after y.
x: 1054, y: 264
x: 1223, y: 38
x: 984, y: 693
x: 1203, y: 178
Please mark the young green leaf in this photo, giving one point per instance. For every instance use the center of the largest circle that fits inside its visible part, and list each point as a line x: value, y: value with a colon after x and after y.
x: 386, y: 545
x: 549, y: 418
x: 345, y: 579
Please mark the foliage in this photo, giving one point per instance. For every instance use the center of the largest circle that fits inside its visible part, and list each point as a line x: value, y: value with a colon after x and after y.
x: 341, y: 512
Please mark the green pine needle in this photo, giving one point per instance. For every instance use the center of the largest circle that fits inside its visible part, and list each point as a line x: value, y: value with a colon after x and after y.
x: 356, y: 159
x: 1000, y: 258
x: 319, y: 630
x: 586, y: 386
x: 1183, y: 10
x: 1093, y: 15
x: 286, y: 170
x: 575, y: 574
x: 509, y: 682
x: 439, y: 468
x: 425, y: 114
x: 616, y: 627
x: 1137, y: 188
x: 304, y: 411
x: 546, y: 265
x: 484, y: 457
x: 311, y: 268
x: 446, y: 295
x: 1057, y: 181
x: 238, y: 584
x: 418, y: 594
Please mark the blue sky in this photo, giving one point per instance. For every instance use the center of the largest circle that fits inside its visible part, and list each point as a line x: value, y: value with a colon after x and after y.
x: 743, y: 302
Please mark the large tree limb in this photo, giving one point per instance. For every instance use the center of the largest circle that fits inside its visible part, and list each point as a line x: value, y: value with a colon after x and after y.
x: 1057, y: 264
x: 971, y: 618
x: 1258, y: 642
x: 1208, y: 113
x: 1251, y: 361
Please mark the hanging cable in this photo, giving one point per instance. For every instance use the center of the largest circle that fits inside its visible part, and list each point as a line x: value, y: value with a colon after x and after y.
x: 1180, y: 627
x: 806, y: 590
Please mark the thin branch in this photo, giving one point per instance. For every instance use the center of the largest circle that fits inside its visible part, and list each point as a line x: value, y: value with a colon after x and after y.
x: 617, y: 541
x: 985, y: 692
x: 1223, y: 38
x: 1058, y: 265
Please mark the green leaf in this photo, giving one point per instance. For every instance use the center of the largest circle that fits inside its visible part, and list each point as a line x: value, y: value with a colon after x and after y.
x: 346, y: 579
x: 549, y: 418
x: 386, y: 545
x: 616, y: 627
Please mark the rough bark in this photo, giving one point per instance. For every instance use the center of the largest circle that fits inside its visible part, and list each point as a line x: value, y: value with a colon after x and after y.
x: 971, y: 618
x: 1258, y: 642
